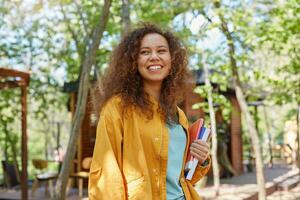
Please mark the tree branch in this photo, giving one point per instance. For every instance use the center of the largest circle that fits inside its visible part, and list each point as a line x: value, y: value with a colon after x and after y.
x: 89, y: 61
x: 74, y: 35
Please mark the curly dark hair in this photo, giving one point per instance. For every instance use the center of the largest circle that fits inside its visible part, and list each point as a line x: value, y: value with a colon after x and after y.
x: 122, y: 77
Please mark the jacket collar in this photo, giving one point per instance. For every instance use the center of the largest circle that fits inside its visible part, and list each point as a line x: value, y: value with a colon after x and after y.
x: 182, y: 118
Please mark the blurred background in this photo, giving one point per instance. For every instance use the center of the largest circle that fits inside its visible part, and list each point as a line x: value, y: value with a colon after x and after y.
x: 247, y: 46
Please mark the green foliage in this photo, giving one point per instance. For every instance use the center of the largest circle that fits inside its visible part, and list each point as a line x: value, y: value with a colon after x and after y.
x: 9, y: 115
x: 280, y: 35
x: 157, y: 11
x: 220, y: 102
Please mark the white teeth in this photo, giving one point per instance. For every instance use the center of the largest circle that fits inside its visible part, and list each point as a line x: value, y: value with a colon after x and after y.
x: 156, y: 67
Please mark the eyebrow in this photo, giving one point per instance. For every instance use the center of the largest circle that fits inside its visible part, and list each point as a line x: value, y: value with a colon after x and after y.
x: 157, y: 47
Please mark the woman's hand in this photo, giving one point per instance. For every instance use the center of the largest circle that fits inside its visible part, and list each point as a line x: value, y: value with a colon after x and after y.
x: 200, y: 150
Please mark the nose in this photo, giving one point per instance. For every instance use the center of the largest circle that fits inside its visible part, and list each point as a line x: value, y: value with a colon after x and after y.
x: 154, y: 56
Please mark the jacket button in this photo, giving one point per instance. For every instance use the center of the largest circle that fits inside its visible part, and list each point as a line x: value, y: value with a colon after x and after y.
x: 156, y: 139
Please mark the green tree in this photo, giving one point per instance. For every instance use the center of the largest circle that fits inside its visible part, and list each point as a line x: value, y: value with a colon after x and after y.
x: 88, y: 62
x: 242, y: 101
x: 279, y: 35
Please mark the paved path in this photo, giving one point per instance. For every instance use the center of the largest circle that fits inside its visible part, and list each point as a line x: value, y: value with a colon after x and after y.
x: 243, y: 186
x: 236, y: 188
x: 39, y: 194
x: 293, y: 194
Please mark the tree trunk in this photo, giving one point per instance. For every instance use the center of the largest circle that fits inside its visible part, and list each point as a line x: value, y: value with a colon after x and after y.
x: 215, y: 165
x: 255, y: 143
x: 298, y: 136
x: 60, y: 189
x: 269, y: 137
x: 242, y: 102
x: 298, y: 130
x: 125, y: 17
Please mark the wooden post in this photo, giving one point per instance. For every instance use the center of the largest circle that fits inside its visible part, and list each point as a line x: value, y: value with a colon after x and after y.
x: 24, y: 143
x: 22, y: 83
x: 236, y: 137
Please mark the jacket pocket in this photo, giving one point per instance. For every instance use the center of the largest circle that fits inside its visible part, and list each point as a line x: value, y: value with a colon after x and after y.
x: 94, y: 180
x: 134, y: 188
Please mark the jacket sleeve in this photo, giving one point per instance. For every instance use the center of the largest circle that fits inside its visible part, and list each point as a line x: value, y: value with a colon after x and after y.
x: 106, y: 178
x: 200, y: 171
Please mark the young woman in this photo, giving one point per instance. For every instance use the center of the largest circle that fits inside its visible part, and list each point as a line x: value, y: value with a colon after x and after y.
x: 142, y: 139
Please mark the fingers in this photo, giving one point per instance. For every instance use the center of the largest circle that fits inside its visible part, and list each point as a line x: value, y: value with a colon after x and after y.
x: 199, y: 144
x: 200, y: 150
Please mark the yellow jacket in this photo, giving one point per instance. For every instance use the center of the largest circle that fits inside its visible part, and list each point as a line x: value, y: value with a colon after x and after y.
x: 130, y: 156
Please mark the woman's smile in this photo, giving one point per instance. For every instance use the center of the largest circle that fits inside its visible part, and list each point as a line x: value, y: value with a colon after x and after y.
x: 154, y: 67
x: 154, y: 61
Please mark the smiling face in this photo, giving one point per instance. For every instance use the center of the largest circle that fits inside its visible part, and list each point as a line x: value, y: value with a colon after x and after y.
x: 154, y: 60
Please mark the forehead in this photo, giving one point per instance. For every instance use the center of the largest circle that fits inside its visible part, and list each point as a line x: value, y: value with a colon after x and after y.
x: 154, y: 40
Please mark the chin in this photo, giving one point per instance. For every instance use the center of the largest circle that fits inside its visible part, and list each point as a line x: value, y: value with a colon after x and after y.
x: 160, y: 79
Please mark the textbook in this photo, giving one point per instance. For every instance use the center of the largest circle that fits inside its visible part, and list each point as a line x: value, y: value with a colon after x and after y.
x: 196, y: 131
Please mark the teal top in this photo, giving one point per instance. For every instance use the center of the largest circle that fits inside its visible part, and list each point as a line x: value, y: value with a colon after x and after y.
x: 177, y: 143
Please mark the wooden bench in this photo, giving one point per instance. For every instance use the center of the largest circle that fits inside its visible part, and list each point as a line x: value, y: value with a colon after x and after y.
x: 43, y: 176
x: 289, y: 183
x: 80, y: 176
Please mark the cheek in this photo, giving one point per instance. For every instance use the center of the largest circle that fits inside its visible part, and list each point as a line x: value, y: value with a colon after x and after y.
x: 141, y: 62
x: 168, y: 59
x: 138, y: 62
x: 169, y: 63
x: 139, y: 69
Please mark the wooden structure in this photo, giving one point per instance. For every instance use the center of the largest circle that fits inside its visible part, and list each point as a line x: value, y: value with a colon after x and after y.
x: 10, y: 78
x: 87, y: 136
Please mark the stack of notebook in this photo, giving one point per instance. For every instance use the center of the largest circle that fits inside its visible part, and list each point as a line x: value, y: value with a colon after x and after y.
x: 196, y: 131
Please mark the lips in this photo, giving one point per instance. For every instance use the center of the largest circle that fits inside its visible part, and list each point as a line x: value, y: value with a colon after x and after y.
x: 154, y: 67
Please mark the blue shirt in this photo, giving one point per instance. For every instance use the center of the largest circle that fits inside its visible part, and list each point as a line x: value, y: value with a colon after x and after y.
x: 177, y: 143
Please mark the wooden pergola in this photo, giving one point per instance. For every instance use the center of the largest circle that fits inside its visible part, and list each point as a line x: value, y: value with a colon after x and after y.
x: 9, y: 79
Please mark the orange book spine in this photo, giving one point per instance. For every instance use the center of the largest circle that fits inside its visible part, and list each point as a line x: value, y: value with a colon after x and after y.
x: 194, y: 131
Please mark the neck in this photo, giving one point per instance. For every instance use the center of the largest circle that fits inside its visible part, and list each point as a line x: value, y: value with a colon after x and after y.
x: 153, y: 90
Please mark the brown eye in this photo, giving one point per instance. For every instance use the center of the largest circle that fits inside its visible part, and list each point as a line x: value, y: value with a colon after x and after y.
x: 144, y: 52
x: 162, y: 51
